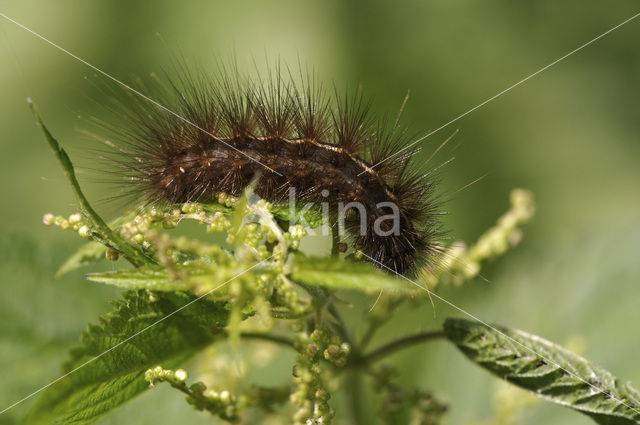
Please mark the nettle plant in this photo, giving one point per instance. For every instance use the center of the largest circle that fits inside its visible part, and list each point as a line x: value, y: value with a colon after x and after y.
x: 187, y: 298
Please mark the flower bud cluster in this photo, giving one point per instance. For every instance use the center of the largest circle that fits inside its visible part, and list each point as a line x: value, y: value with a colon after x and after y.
x: 505, y: 233
x: 74, y: 222
x: 158, y: 374
x: 226, y: 200
x: 295, y: 233
x: 398, y: 400
x: 459, y: 263
x: 310, y: 397
x: 288, y: 296
x: 223, y: 403
x: 262, y: 235
x: 136, y: 230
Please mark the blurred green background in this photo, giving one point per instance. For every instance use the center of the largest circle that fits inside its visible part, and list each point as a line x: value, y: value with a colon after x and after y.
x: 571, y: 135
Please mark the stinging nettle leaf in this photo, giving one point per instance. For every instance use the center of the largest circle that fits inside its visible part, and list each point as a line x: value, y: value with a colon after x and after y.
x: 196, y: 277
x: 118, y: 375
x: 331, y: 273
x: 150, y: 277
x: 548, y: 370
x: 87, y: 254
x: 311, y: 217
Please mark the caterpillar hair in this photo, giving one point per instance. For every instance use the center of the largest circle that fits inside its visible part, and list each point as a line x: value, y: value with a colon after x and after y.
x: 220, y: 132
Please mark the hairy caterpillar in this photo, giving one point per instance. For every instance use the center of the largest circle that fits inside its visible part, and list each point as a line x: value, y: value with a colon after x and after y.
x: 220, y: 134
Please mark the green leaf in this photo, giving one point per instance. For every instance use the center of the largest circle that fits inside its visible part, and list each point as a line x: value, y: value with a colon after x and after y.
x: 196, y: 277
x: 334, y: 273
x: 106, y: 382
x: 150, y: 277
x: 311, y: 217
x: 88, y: 253
x: 554, y: 373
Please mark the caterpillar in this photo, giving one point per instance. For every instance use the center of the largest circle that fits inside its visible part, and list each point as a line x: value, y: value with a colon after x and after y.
x: 219, y: 133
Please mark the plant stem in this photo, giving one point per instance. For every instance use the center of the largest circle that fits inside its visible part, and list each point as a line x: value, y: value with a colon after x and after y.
x: 376, y: 324
x: 401, y: 343
x: 354, y: 392
x: 341, y: 328
x: 268, y: 337
x: 131, y: 253
x: 369, y: 333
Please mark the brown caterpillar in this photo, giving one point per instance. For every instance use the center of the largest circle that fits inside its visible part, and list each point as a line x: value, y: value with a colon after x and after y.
x: 217, y: 135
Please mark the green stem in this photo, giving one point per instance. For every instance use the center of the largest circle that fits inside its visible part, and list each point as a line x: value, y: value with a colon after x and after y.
x: 400, y: 344
x: 280, y: 313
x: 135, y: 256
x: 341, y: 327
x: 268, y: 337
x: 369, y: 333
x: 376, y: 324
x: 354, y: 392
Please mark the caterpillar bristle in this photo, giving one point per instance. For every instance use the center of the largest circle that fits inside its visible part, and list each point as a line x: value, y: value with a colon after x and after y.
x: 219, y: 134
